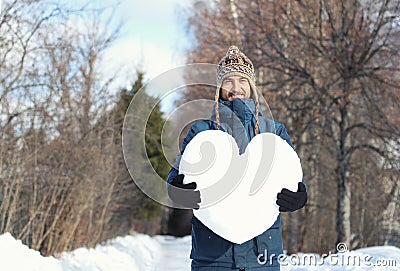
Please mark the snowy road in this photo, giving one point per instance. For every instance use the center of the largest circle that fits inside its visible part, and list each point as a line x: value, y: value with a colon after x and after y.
x: 174, y: 253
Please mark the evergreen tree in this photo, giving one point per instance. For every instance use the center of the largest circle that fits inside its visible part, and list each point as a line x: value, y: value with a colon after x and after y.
x: 148, y: 209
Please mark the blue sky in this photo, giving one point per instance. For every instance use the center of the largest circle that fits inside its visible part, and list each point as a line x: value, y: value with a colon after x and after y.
x: 152, y: 38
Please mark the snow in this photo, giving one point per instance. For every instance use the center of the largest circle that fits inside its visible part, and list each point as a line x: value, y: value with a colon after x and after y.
x: 140, y: 252
x: 16, y: 256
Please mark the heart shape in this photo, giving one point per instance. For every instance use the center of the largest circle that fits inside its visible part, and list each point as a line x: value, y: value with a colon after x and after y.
x: 238, y: 192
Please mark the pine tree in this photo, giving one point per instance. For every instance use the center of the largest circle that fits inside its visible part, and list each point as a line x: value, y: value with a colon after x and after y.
x: 148, y: 209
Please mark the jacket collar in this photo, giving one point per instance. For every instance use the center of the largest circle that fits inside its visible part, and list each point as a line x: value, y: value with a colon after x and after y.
x: 243, y: 109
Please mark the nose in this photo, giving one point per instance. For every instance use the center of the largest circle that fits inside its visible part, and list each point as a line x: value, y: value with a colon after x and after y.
x: 234, y: 86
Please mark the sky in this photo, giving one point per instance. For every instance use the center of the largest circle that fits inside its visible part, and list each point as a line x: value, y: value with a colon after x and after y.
x: 152, y: 38
x: 153, y: 34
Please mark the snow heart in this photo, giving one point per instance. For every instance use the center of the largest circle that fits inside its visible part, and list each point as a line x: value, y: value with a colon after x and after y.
x: 238, y: 192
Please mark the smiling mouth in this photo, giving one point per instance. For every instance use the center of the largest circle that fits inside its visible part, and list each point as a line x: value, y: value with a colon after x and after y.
x: 236, y: 95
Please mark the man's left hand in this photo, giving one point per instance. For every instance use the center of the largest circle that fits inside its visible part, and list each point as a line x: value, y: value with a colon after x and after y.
x: 290, y: 201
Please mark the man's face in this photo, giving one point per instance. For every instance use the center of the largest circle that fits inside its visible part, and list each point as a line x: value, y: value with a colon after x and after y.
x: 235, y: 87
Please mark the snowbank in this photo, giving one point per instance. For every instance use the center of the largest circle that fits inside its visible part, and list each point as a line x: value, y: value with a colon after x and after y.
x: 165, y: 253
x: 136, y: 253
x: 16, y: 256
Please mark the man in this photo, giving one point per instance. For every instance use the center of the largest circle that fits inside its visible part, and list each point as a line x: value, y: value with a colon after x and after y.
x: 235, y: 94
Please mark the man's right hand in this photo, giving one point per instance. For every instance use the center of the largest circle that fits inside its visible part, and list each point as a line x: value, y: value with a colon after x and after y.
x: 184, y: 194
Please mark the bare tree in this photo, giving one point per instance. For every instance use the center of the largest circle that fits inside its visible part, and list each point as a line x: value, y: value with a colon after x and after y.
x: 59, y: 166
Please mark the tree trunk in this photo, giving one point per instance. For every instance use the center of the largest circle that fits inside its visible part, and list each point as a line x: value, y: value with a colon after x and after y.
x: 343, y: 210
x: 390, y: 213
x: 179, y: 222
x: 291, y: 235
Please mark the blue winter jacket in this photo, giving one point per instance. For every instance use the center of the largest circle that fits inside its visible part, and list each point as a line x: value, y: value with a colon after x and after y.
x: 208, y: 248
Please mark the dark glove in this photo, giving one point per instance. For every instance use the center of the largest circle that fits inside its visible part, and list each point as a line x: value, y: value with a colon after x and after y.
x: 184, y: 194
x: 289, y: 201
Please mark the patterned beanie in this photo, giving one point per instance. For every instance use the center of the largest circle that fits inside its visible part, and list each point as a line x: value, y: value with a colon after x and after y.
x: 236, y: 63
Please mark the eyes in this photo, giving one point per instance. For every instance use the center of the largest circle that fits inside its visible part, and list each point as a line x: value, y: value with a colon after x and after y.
x: 229, y: 81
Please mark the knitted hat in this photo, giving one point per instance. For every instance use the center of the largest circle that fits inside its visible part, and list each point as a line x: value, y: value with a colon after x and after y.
x: 235, y: 63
